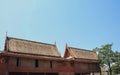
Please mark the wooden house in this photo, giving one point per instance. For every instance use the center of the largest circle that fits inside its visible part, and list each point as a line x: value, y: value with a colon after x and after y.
x: 25, y: 57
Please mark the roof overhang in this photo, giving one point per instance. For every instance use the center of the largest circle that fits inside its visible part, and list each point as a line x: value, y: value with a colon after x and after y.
x: 48, y: 58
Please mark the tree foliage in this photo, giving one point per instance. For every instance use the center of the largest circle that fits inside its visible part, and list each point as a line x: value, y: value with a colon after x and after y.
x: 116, y: 68
x: 106, y: 56
x: 116, y: 65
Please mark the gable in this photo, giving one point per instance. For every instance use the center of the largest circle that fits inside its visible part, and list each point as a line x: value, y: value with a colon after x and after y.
x: 77, y: 53
x: 67, y: 54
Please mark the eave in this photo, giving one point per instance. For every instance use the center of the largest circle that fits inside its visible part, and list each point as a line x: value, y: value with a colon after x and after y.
x: 46, y: 58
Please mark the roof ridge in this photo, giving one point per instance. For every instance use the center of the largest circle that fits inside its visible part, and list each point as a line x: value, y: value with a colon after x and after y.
x: 31, y: 41
x: 81, y: 49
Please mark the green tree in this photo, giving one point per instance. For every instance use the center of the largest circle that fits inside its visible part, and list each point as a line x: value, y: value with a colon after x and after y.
x: 117, y: 56
x: 116, y: 65
x: 105, y: 55
x: 116, y: 68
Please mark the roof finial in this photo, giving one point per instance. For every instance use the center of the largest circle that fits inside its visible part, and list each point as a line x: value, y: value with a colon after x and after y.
x: 55, y: 43
x: 6, y: 34
x: 66, y: 45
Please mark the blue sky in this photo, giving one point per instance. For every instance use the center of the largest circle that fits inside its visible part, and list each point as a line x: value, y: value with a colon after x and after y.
x: 80, y: 23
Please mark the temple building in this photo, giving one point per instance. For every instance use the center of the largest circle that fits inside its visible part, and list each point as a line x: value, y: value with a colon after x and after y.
x: 25, y: 57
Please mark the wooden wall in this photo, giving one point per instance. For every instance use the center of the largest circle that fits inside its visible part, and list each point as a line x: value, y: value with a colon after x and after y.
x: 61, y: 67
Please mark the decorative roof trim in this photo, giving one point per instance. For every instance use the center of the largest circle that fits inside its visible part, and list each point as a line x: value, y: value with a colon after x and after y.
x: 70, y: 51
x: 57, y: 49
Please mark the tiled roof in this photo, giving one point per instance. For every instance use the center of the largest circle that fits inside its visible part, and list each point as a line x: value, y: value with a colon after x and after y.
x: 83, y: 54
x: 30, y: 47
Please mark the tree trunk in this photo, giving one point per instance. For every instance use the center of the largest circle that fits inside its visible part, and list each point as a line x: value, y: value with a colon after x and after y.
x: 107, y: 72
x: 110, y: 70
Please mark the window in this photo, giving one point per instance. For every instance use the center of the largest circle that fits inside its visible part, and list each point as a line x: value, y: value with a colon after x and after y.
x: 36, y: 63
x: 51, y: 64
x: 18, y: 62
